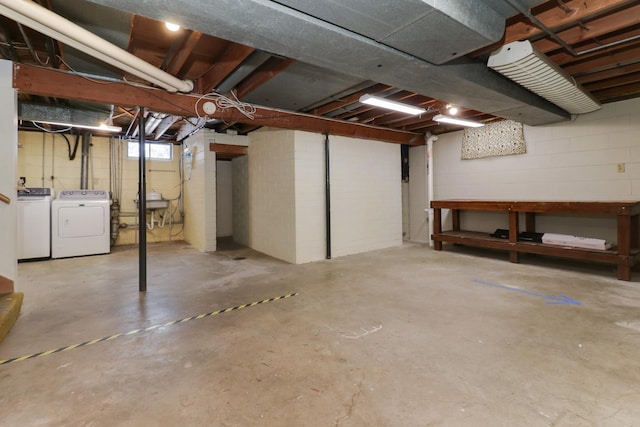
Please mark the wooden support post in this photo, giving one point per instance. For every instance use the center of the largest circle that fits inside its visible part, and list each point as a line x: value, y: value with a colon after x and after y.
x: 514, y: 228
x: 455, y: 219
x: 530, y: 222
x: 624, y: 246
x: 437, y: 228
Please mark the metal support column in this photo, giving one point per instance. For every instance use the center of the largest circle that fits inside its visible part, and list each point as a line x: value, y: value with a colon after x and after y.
x: 327, y: 194
x: 142, y: 207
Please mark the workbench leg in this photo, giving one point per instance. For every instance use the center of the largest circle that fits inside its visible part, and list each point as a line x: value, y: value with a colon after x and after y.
x: 624, y: 272
x: 455, y: 219
x: 625, y: 239
x: 514, y: 228
x: 437, y: 228
x: 530, y: 222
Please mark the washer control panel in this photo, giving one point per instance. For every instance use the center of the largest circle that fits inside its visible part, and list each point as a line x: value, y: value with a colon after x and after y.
x: 34, y: 192
x: 84, y: 195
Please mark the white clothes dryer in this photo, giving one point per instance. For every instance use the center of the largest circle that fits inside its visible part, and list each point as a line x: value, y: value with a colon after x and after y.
x: 34, y: 223
x: 80, y: 223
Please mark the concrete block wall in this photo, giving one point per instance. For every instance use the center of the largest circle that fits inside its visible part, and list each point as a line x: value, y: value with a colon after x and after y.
x: 200, y: 194
x: 576, y: 160
x: 224, y: 199
x: 418, y: 224
x: 366, y: 199
x: 162, y: 176
x: 43, y: 159
x: 272, y: 215
x: 287, y: 195
x: 240, y: 195
x: 8, y: 159
x: 310, y: 197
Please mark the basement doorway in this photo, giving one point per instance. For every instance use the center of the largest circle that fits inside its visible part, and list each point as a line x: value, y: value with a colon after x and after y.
x: 232, y: 200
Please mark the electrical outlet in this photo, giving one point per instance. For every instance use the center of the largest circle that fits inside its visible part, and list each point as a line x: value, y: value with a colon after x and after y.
x: 620, y: 167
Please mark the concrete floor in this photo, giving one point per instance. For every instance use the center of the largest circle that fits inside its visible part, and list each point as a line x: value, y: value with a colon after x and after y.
x: 399, y: 337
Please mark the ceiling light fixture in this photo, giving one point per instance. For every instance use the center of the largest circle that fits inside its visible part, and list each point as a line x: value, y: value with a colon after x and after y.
x: 457, y: 121
x: 171, y: 26
x: 527, y: 66
x: 102, y: 127
x: 391, y: 105
x: 452, y: 110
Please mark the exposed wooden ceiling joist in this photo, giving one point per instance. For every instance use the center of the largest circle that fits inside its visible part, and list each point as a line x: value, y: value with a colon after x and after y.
x: 223, y: 65
x: 593, y: 29
x: 48, y: 82
x: 561, y: 17
x: 271, y: 68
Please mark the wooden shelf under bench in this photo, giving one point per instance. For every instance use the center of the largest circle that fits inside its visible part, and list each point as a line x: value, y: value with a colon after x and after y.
x: 625, y: 255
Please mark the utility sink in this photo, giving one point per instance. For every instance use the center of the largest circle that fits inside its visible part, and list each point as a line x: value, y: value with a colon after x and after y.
x: 155, y: 204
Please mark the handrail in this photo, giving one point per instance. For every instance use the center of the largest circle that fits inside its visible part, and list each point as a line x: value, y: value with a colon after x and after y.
x: 4, y: 198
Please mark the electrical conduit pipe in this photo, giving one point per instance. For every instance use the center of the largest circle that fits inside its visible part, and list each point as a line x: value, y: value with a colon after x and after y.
x: 53, y: 25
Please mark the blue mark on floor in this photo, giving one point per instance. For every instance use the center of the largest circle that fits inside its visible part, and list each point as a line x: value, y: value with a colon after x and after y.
x: 560, y: 299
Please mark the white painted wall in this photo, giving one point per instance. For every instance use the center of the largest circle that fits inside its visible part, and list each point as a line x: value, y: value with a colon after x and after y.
x: 287, y: 195
x: 240, y: 196
x: 574, y: 161
x: 224, y: 199
x: 272, y: 215
x: 406, y: 235
x: 366, y: 200
x: 43, y: 159
x: 8, y: 160
x: 200, y: 228
x: 310, y: 197
x: 200, y: 194
x: 418, y: 225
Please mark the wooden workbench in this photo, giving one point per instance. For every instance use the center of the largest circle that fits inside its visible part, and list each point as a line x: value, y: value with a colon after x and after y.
x: 625, y: 255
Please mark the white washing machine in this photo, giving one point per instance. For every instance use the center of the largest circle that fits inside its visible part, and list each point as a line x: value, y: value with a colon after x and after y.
x: 34, y: 223
x: 80, y: 223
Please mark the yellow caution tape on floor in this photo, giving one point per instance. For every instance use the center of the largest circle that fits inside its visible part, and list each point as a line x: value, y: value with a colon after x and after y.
x: 149, y: 328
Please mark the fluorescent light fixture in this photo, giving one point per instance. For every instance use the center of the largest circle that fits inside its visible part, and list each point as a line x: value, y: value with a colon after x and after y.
x: 171, y: 26
x: 391, y: 105
x: 527, y: 66
x: 102, y: 127
x: 457, y: 121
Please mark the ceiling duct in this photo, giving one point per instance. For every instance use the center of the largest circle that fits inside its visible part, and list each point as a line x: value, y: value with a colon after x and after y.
x: 32, y: 112
x: 338, y: 46
x: 525, y: 65
x: 433, y: 30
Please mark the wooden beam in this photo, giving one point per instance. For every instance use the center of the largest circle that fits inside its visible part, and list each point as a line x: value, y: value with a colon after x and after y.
x: 556, y: 17
x: 595, y: 28
x: 177, y: 61
x: 268, y: 70
x: 228, y: 149
x: 618, y: 93
x: 271, y: 68
x: 563, y: 58
x: 232, y: 56
x: 608, y: 74
x: 604, y: 61
x: 351, y: 99
x: 49, y: 82
x: 626, y: 79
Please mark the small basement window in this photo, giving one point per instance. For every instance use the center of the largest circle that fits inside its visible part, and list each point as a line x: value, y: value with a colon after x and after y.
x: 153, y: 150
